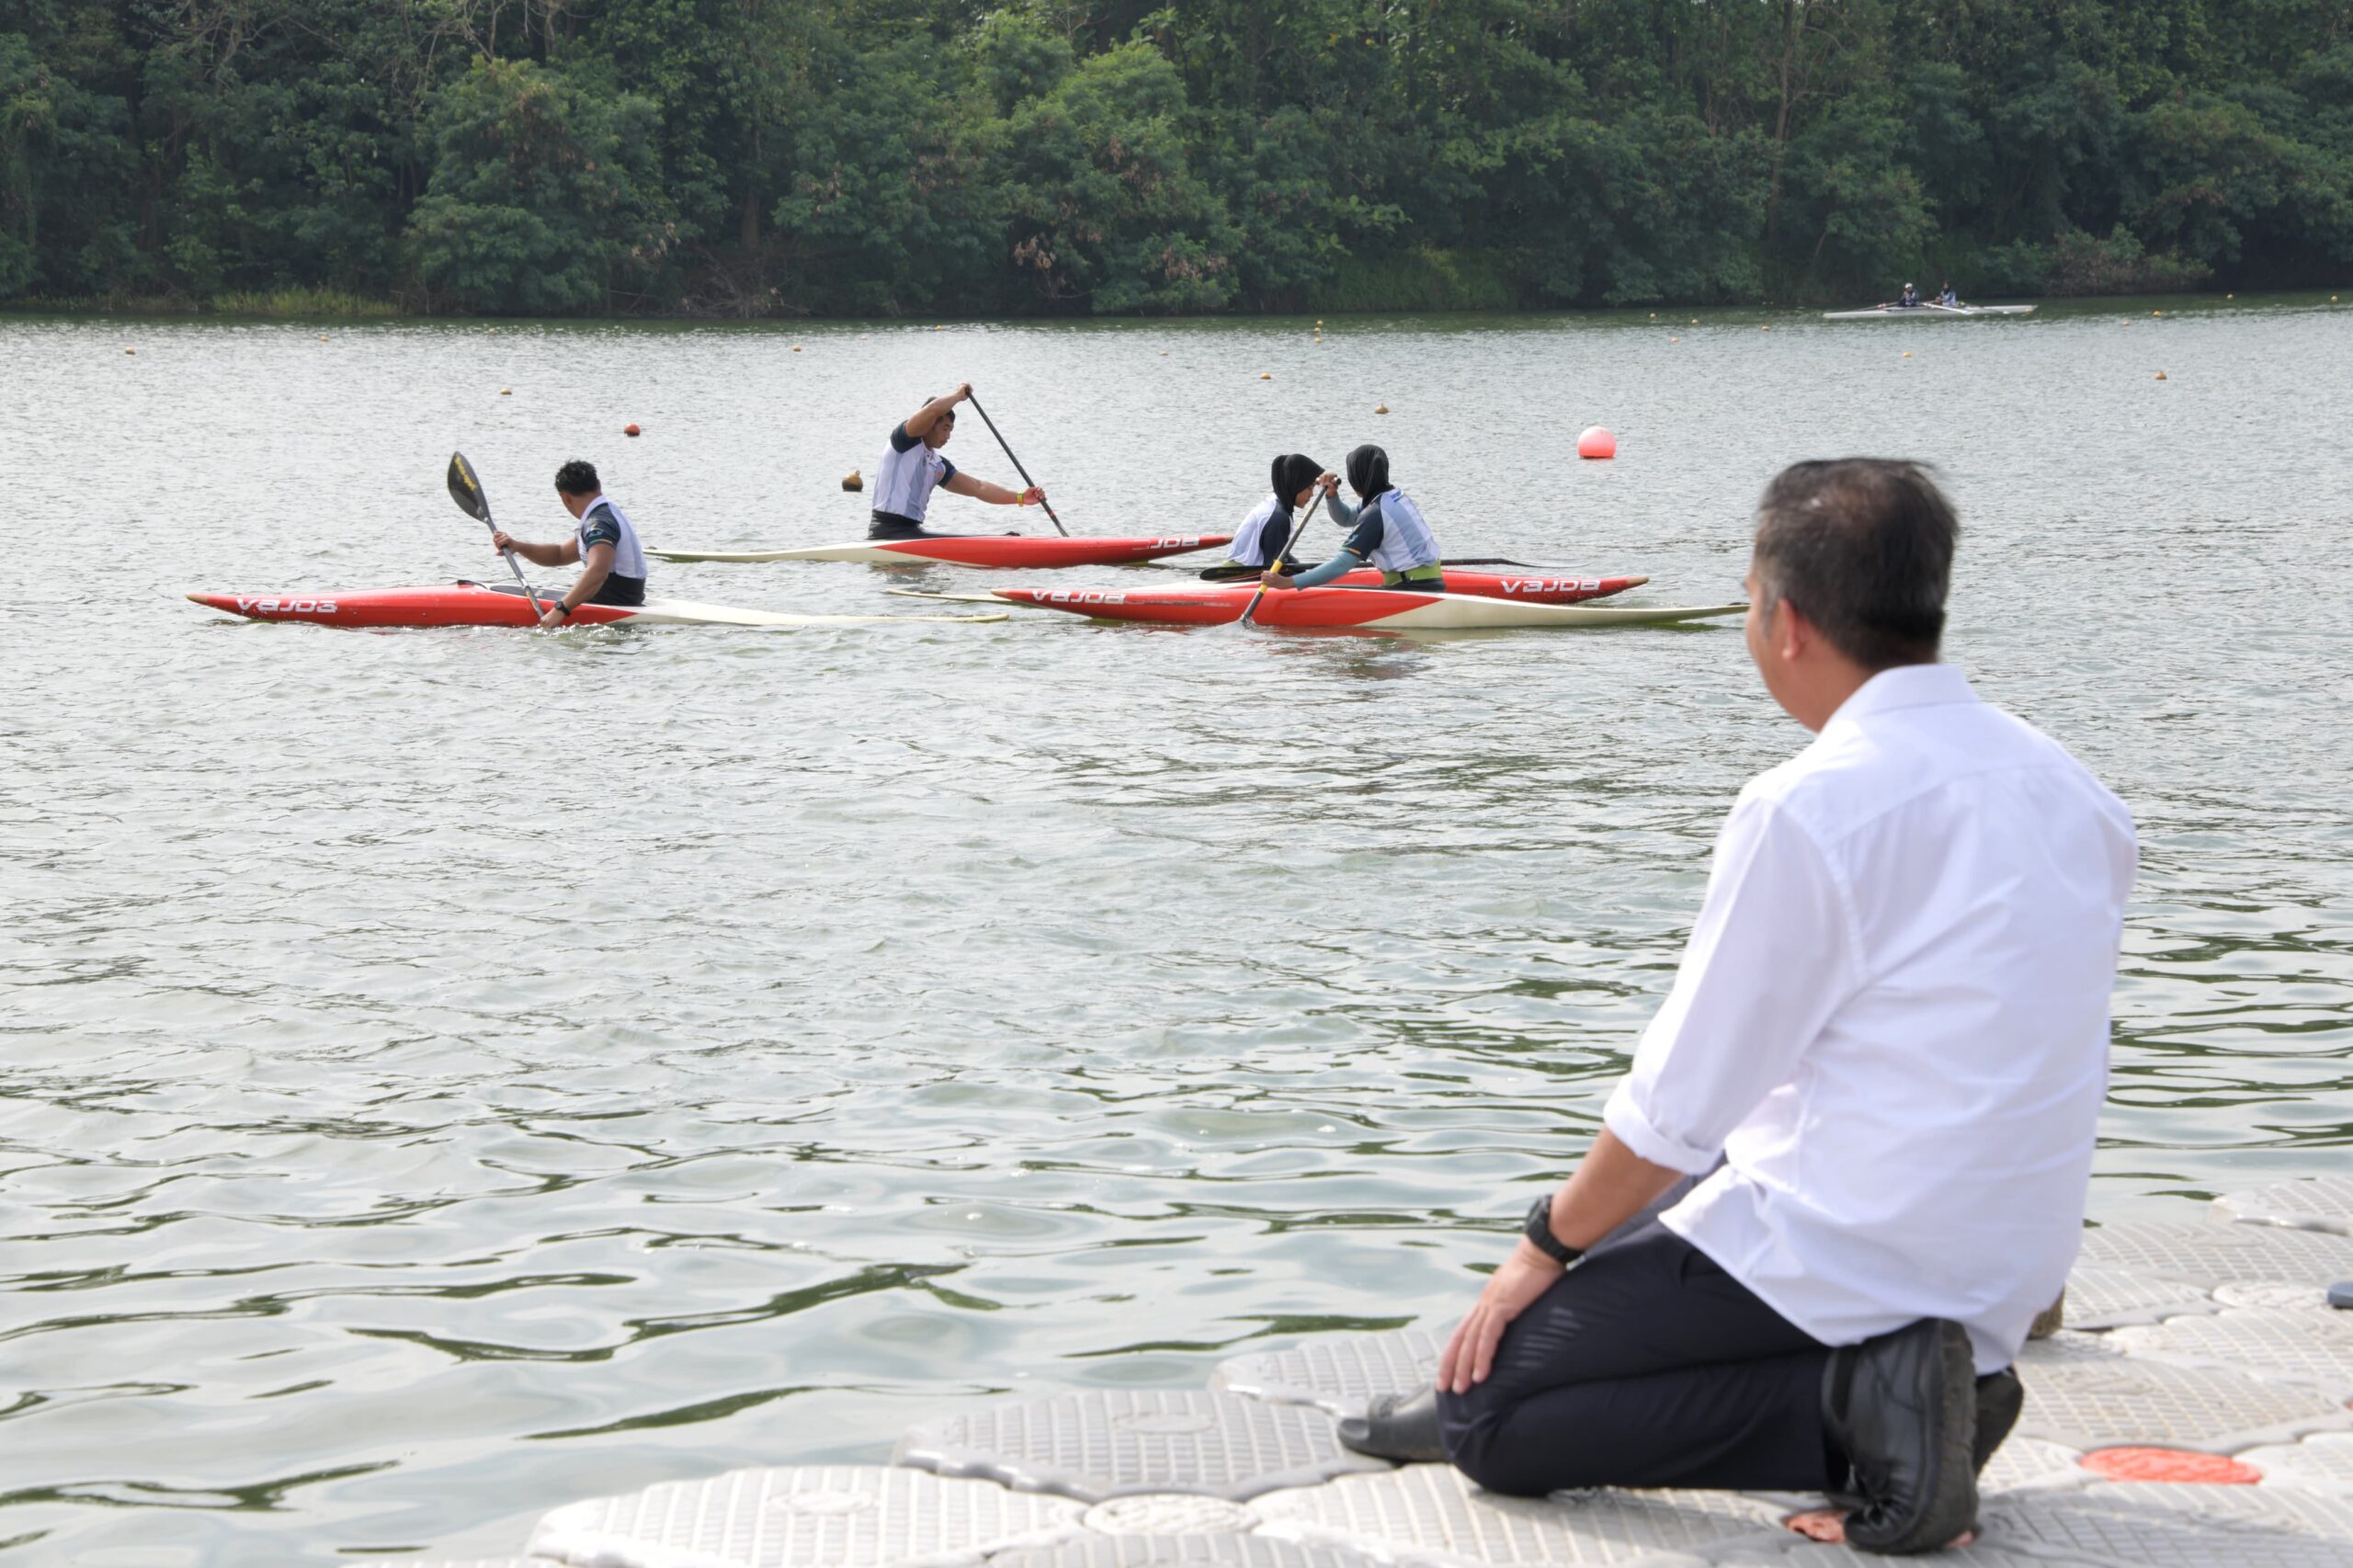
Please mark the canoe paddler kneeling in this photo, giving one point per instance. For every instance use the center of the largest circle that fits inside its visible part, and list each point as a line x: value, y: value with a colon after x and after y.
x: 913, y: 468
x: 612, y: 564
x: 1267, y: 532
x: 1386, y: 529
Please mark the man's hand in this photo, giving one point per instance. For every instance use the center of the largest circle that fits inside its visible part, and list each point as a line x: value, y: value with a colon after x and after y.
x: 1511, y: 1289
x: 963, y: 393
x: 554, y: 616
x: 1274, y: 579
x: 1029, y: 498
x: 501, y: 541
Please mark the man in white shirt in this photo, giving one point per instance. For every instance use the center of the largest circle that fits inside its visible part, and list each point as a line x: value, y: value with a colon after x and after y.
x: 912, y: 469
x: 1883, y: 1059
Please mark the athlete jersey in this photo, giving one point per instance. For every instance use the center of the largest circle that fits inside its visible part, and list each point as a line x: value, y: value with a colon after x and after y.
x: 1262, y: 534
x: 601, y: 522
x: 909, y: 473
x: 1391, y: 533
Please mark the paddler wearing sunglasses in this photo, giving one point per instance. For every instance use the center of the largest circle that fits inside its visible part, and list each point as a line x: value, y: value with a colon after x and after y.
x: 1386, y: 529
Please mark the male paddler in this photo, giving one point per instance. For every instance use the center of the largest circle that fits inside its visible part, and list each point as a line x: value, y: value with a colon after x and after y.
x: 913, y: 468
x: 612, y: 562
x: 1883, y: 1059
x: 1385, y: 530
x: 1908, y: 300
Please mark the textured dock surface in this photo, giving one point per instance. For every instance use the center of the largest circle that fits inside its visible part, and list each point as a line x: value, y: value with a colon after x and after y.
x: 2194, y: 1413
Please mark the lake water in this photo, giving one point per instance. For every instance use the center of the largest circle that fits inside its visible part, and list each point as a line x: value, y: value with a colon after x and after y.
x: 452, y: 1072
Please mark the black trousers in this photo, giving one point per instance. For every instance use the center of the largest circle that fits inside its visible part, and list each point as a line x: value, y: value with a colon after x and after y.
x: 1646, y: 1365
x: 617, y: 589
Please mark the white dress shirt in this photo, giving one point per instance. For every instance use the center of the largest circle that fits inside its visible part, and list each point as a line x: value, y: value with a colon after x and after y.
x: 1892, y: 1021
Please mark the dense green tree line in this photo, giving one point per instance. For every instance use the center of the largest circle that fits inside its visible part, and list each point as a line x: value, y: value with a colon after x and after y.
x: 932, y: 157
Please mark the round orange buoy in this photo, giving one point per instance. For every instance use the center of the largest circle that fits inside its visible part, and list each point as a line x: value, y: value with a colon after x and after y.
x: 2156, y: 313
x: 1596, y: 442
x: 854, y: 481
x: 131, y: 351
x: 796, y: 349
x: 2170, y: 1464
x: 1382, y: 409
x: 629, y: 430
x: 2161, y: 375
x: 1265, y: 375
x: 506, y: 391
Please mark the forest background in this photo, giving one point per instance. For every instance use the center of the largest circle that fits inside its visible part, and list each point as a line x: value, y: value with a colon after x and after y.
x: 879, y: 157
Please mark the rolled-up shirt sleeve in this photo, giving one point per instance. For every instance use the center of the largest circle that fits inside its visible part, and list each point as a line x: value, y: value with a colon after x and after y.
x: 1771, y: 959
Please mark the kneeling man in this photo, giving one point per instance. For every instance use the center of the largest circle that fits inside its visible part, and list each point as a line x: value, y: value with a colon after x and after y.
x: 1883, y: 1059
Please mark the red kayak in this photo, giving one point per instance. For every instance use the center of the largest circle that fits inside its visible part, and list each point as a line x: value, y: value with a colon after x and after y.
x: 1331, y: 607
x: 977, y: 550
x: 475, y: 604
x: 1536, y: 585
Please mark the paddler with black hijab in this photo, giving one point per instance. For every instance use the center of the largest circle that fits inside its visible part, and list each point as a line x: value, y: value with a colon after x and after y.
x: 913, y: 468
x: 1385, y: 530
x: 1267, y: 532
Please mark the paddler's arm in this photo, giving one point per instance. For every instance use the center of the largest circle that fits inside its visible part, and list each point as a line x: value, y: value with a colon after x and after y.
x: 592, y: 573
x: 995, y: 494
x: 1315, y: 577
x: 537, y: 554
x: 922, y: 419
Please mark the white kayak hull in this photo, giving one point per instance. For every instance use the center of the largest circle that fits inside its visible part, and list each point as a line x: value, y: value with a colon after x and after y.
x: 1927, y: 312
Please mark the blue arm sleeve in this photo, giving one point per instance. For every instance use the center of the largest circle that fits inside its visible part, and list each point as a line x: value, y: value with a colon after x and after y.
x: 1316, y: 576
x: 1342, y: 513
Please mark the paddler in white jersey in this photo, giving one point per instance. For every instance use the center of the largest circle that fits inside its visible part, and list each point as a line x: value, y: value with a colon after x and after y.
x: 1387, y: 531
x: 612, y: 562
x: 913, y: 468
x: 1267, y: 531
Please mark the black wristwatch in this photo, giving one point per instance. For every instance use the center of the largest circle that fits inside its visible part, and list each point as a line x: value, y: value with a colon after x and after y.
x: 565, y: 607
x: 1539, y: 1230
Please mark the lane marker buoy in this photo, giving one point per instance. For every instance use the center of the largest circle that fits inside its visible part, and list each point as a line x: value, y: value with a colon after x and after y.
x: 629, y: 430
x: 1596, y: 442
x: 855, y: 481
x: 1382, y: 409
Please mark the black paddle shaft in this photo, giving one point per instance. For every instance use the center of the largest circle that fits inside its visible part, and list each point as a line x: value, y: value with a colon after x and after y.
x: 1024, y: 472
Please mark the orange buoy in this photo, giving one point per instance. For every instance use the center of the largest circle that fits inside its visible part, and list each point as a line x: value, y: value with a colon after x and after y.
x: 854, y: 481
x: 1596, y: 442
x: 629, y: 430
x: 1265, y: 375
x: 2161, y: 375
x: 131, y: 351
x: 2156, y: 313
x: 796, y: 349
x: 1383, y: 408
x: 506, y: 391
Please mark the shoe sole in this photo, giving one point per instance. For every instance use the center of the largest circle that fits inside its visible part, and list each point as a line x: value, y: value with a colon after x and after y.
x: 1952, y: 1507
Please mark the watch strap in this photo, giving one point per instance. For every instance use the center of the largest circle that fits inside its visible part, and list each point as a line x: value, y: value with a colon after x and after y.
x: 1539, y: 1230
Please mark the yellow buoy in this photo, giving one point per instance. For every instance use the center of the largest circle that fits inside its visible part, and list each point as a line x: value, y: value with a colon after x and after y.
x: 131, y: 351
x: 2230, y: 296
x: 854, y: 481
x: 796, y: 349
x: 1653, y: 315
x: 2156, y: 313
x: 1907, y: 354
x: 1383, y: 408
x: 506, y: 391
x: 2161, y: 375
x: 1265, y: 375
x: 1695, y: 321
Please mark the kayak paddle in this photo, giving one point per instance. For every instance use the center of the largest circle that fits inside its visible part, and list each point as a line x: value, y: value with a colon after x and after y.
x: 1024, y: 472
x: 467, y: 492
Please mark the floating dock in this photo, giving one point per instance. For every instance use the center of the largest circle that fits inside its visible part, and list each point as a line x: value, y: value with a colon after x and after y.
x: 2192, y: 1414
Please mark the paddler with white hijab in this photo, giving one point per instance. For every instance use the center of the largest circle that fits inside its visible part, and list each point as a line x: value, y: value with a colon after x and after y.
x: 913, y: 468
x: 1385, y: 530
x: 612, y: 564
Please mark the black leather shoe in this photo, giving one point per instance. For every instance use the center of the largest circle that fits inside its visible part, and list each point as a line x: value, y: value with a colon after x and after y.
x: 1396, y: 1426
x: 1903, y: 1407
x: 2000, y: 1397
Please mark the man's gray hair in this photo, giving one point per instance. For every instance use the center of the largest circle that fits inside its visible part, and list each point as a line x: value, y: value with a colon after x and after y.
x: 1864, y: 547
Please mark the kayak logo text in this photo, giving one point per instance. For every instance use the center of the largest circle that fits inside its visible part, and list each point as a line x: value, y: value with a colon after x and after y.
x: 1082, y: 596
x: 1550, y: 585
x: 284, y: 607
x: 1177, y: 541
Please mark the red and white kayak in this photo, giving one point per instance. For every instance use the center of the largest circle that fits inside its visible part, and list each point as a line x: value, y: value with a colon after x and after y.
x: 1535, y: 585
x: 1383, y: 609
x: 977, y: 550
x: 477, y: 604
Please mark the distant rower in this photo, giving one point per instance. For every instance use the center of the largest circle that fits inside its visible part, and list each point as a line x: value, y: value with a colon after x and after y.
x: 1950, y: 299
x: 612, y: 561
x: 1265, y: 531
x: 1387, y: 531
x: 1908, y: 298
x: 913, y: 468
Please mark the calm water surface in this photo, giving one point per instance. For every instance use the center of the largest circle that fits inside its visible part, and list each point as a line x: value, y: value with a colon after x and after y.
x: 450, y: 1073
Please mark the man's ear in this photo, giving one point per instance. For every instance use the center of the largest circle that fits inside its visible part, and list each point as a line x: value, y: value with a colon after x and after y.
x: 1792, y: 632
